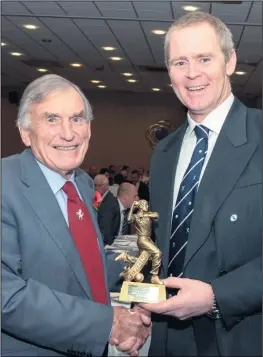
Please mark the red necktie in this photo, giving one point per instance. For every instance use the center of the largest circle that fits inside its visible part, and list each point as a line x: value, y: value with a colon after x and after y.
x: 85, y: 238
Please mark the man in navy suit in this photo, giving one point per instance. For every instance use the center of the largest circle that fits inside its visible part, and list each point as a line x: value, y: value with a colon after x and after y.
x: 206, y: 185
x: 51, y: 302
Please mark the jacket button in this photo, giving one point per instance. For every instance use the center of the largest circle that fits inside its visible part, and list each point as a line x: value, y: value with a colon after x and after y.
x: 222, y: 272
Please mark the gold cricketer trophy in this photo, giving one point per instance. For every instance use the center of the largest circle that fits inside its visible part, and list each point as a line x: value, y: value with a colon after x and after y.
x: 133, y: 290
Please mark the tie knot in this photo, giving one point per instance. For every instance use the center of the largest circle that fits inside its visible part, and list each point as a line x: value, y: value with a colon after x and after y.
x: 70, y: 190
x: 125, y: 211
x: 201, y: 132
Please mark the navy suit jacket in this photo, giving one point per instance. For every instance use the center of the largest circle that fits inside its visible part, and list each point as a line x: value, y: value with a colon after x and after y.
x: 222, y: 251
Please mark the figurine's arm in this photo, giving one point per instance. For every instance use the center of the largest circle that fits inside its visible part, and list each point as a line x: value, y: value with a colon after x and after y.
x: 153, y: 215
x: 130, y: 217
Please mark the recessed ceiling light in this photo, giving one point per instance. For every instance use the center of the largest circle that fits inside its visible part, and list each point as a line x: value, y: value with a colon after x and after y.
x: 116, y: 58
x: 101, y: 86
x: 156, y: 89
x: 159, y: 32
x: 30, y: 27
x: 240, y: 73
x: 108, y: 48
x: 3, y: 44
x: 42, y: 70
x: 76, y: 64
x: 16, y: 53
x: 127, y: 74
x: 190, y: 8
x: 95, y: 81
x: 131, y: 80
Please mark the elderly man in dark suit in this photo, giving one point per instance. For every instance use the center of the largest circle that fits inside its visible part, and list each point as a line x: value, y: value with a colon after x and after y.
x: 206, y: 185
x: 55, y: 299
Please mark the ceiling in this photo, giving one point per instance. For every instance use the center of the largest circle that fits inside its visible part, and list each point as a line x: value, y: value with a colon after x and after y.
x: 74, y: 32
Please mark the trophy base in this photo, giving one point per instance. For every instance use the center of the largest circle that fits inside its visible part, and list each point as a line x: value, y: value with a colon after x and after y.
x: 142, y: 292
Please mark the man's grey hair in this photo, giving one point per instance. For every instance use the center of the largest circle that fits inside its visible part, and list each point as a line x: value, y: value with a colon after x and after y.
x: 101, y: 180
x: 193, y: 18
x: 39, y: 89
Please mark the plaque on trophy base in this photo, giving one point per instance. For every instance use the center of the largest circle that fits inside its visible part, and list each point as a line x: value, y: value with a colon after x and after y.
x: 142, y: 292
x: 133, y: 290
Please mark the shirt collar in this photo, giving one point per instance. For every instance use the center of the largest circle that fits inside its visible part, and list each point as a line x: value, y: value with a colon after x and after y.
x: 54, y: 179
x: 214, y: 120
x: 121, y: 206
x: 105, y: 194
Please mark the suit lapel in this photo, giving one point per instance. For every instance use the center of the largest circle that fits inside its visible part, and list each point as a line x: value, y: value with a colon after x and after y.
x: 42, y: 200
x: 227, y: 162
x: 87, y: 195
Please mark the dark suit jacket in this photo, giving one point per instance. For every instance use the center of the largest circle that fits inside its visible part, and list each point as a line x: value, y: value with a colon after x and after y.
x: 47, y: 304
x: 109, y: 218
x: 220, y: 250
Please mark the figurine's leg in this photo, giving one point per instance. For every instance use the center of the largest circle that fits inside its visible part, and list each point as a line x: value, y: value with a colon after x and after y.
x: 138, y: 265
x: 156, y: 257
x: 156, y: 260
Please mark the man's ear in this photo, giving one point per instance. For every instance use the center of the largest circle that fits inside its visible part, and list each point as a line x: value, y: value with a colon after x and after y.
x: 25, y: 136
x: 231, y: 64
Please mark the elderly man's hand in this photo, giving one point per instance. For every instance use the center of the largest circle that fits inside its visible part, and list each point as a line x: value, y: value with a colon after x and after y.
x: 193, y: 299
x: 130, y: 330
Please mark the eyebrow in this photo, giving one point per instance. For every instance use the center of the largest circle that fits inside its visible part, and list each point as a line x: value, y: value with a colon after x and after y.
x: 79, y: 114
x: 48, y: 113
x: 184, y: 58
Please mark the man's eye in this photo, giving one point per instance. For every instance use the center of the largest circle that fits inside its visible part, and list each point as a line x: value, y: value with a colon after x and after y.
x: 52, y: 118
x: 179, y: 64
x: 78, y: 119
x: 205, y: 59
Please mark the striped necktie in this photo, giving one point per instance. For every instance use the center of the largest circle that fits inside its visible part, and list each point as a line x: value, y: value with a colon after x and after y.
x: 125, y: 224
x: 184, y: 206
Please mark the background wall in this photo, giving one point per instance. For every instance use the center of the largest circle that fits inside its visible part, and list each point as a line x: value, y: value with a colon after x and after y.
x: 118, y: 130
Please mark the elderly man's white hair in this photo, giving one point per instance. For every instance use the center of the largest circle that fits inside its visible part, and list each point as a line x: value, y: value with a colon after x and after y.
x: 39, y: 89
x: 101, y: 180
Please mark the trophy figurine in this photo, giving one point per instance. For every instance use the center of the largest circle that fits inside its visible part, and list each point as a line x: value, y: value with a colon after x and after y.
x: 133, y: 290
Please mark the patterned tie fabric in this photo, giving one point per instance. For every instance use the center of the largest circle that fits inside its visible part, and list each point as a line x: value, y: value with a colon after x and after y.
x: 184, y: 206
x: 125, y: 225
x: 85, y: 238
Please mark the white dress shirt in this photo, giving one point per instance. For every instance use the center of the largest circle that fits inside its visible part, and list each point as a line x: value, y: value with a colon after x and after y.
x: 214, y: 122
x: 114, y: 189
x: 56, y: 183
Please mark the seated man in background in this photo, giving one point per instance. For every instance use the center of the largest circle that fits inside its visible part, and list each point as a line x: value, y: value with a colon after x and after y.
x: 93, y: 171
x: 105, y: 171
x: 142, y: 188
x: 125, y: 171
x: 113, y: 212
x: 101, y: 183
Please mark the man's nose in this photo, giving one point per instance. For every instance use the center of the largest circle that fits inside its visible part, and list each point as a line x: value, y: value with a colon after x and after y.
x: 67, y: 132
x: 193, y: 71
